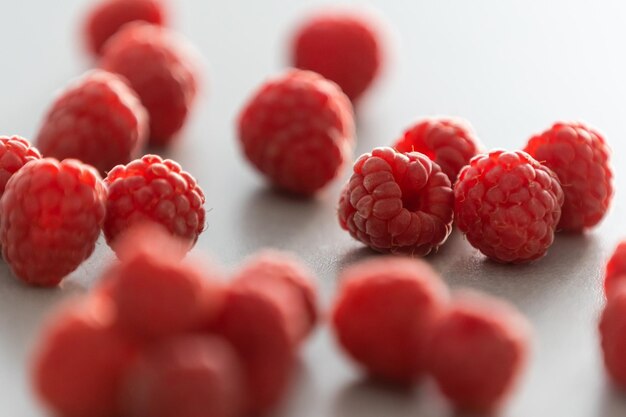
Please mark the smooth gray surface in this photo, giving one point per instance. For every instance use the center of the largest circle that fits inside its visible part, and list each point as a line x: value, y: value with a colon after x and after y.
x: 511, y: 68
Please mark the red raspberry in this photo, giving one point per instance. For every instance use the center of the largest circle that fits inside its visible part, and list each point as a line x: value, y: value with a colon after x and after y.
x: 508, y: 205
x: 478, y: 351
x: 154, y: 189
x: 98, y: 119
x: 450, y: 142
x: 615, y: 275
x: 81, y: 361
x: 384, y: 315
x: 108, y: 16
x: 188, y: 376
x: 341, y: 47
x: 51, y: 217
x: 612, y: 328
x: 579, y: 155
x: 15, y: 151
x: 298, y: 131
x: 398, y: 203
x: 162, y: 70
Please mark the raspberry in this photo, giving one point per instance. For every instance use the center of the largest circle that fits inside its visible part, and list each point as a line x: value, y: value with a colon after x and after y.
x: 80, y: 361
x: 478, y: 351
x: 508, y: 205
x: 579, y: 155
x: 384, y: 314
x: 98, y: 120
x: 51, y: 217
x: 15, y: 151
x: 613, y: 337
x: 108, y: 16
x: 161, y: 69
x: 398, y: 203
x: 188, y: 376
x: 298, y: 131
x: 341, y: 47
x: 450, y: 142
x: 157, y: 190
x: 615, y: 275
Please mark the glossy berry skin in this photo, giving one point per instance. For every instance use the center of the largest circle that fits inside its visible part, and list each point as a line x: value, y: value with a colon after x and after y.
x: 450, y: 142
x: 52, y: 213
x: 508, y: 205
x: 398, y: 203
x: 580, y: 156
x: 108, y: 16
x: 98, y: 120
x: 615, y: 273
x: 477, y: 352
x: 345, y: 48
x: 152, y: 189
x: 163, y: 72
x: 612, y: 329
x: 298, y: 131
x: 15, y: 151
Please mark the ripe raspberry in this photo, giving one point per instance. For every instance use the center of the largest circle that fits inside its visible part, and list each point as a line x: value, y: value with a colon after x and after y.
x: 51, y: 217
x: 450, y: 142
x: 98, y: 120
x: 188, y: 376
x: 384, y: 315
x: 80, y: 361
x: 615, y: 275
x: 612, y: 328
x: 15, y: 151
x: 579, y: 155
x: 154, y: 189
x: 398, y: 203
x: 298, y: 131
x: 478, y: 351
x: 161, y: 69
x: 108, y: 16
x: 508, y: 205
x: 341, y: 47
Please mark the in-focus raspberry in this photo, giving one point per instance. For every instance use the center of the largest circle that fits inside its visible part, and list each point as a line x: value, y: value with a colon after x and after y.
x: 15, y: 151
x: 385, y: 313
x: 398, y: 203
x: 162, y: 69
x: 478, y: 351
x: 52, y: 213
x: 298, y: 130
x: 580, y: 156
x: 615, y: 274
x: 612, y: 328
x: 508, y: 205
x: 98, y: 120
x: 343, y: 47
x: 450, y: 142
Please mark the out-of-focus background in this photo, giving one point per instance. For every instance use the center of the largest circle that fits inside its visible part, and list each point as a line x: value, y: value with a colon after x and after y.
x: 511, y: 68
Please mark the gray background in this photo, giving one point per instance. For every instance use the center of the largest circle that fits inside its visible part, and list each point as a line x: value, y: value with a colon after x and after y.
x: 510, y: 67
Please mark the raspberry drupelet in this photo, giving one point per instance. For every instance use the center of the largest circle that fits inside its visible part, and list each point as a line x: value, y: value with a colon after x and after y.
x: 15, y: 151
x: 612, y: 328
x: 98, y: 120
x: 450, y: 142
x: 580, y: 156
x: 398, y: 203
x: 298, y: 130
x: 615, y: 272
x: 508, y: 205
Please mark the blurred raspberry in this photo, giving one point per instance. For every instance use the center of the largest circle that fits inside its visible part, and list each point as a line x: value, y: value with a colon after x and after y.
x: 98, y: 120
x: 15, y: 151
x: 298, y: 130
x: 615, y: 274
x: 508, y: 205
x: 398, y: 203
x: 579, y: 155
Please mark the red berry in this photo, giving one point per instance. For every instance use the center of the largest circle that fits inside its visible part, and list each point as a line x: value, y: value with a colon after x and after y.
x: 508, y: 205
x: 81, y: 361
x: 613, y: 337
x: 398, y: 203
x: 450, y: 142
x: 341, y: 47
x: 187, y: 376
x: 108, y: 16
x: 298, y: 131
x: 478, y: 351
x: 154, y: 190
x: 161, y: 69
x: 579, y: 155
x: 15, y: 151
x: 98, y: 120
x: 615, y: 275
x: 51, y: 217
x: 384, y: 315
